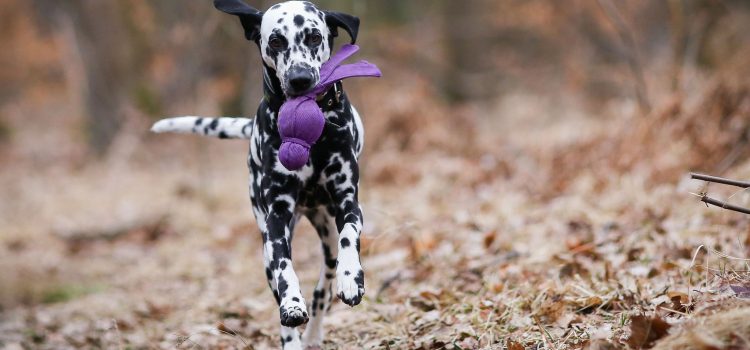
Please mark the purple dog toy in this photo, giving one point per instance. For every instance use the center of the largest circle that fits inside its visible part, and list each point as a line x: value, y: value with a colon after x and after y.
x: 301, y: 121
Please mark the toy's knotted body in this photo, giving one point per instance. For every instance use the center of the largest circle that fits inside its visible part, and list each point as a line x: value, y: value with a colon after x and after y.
x: 301, y: 121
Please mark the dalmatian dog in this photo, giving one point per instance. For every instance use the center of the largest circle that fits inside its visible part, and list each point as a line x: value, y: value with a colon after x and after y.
x: 295, y: 38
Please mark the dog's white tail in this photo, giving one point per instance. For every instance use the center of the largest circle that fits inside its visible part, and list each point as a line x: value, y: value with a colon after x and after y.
x: 223, y: 128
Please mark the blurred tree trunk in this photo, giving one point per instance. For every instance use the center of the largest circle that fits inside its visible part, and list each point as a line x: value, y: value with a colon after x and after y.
x: 100, y: 39
x: 467, y: 74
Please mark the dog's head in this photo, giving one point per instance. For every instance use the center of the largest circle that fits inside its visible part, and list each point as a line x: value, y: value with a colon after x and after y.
x: 295, y: 38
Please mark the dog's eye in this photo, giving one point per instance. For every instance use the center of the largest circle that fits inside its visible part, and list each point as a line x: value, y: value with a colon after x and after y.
x: 276, y: 43
x: 314, y: 39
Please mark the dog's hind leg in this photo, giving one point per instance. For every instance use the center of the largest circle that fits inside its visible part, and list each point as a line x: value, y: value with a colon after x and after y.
x: 290, y: 339
x: 325, y: 225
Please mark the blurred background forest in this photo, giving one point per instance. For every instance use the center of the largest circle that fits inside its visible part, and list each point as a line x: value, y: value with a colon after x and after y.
x: 508, y: 122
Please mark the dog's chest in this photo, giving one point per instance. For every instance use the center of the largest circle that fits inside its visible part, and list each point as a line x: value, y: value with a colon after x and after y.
x: 333, y: 158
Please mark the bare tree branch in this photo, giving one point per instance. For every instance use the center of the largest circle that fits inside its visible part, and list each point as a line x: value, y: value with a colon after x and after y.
x: 721, y: 180
x: 724, y: 205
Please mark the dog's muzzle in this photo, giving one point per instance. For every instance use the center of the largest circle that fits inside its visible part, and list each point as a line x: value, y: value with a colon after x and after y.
x: 300, y: 79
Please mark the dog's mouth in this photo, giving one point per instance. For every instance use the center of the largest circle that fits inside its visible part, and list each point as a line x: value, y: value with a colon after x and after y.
x: 299, y: 80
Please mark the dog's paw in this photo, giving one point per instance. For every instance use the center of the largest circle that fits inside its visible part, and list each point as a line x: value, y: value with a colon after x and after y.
x: 293, y: 313
x: 351, y: 284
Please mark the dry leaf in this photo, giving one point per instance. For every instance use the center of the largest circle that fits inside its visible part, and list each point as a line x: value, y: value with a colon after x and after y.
x: 683, y: 297
x: 645, y: 331
x: 514, y: 345
x: 489, y: 238
x: 680, y: 301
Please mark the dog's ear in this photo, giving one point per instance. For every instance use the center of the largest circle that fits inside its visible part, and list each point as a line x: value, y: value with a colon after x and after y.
x: 249, y: 16
x: 342, y: 20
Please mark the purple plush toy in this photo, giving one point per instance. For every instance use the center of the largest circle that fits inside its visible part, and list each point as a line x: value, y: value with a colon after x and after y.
x: 301, y: 121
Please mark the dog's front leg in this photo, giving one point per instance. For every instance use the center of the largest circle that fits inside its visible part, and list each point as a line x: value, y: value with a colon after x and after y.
x: 343, y: 187
x: 278, y: 255
x: 349, y: 274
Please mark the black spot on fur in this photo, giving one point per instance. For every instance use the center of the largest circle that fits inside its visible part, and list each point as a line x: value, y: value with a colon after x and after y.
x: 223, y: 135
x: 283, y: 286
x: 334, y: 168
x: 280, y: 207
x: 345, y: 242
x: 214, y: 124
x: 299, y: 20
x: 282, y: 265
x: 280, y: 250
x: 326, y: 252
x: 347, y: 273
x: 360, y: 279
x: 331, y: 263
x: 198, y: 121
x: 295, y: 299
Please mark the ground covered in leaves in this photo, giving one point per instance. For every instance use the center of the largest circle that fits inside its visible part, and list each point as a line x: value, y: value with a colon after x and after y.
x: 494, y: 233
x: 461, y: 252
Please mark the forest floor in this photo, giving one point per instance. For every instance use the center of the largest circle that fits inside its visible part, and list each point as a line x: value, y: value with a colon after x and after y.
x: 155, y: 248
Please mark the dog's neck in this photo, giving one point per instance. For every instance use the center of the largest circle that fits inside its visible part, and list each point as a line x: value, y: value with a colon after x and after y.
x: 275, y: 97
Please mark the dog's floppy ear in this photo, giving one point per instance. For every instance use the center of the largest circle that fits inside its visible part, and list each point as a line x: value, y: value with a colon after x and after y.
x: 249, y: 16
x: 342, y: 20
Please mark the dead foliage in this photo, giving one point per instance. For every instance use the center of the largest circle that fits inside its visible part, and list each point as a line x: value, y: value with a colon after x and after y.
x: 145, y: 231
x: 709, y: 133
x: 645, y: 331
x: 725, y: 329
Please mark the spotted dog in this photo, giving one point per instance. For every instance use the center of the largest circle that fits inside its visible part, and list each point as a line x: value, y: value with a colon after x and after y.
x: 295, y: 38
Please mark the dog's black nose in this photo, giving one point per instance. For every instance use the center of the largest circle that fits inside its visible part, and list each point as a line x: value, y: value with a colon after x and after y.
x: 300, y: 80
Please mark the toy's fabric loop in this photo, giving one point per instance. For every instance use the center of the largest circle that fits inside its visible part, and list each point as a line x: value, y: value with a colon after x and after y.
x: 301, y: 121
